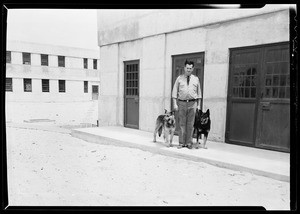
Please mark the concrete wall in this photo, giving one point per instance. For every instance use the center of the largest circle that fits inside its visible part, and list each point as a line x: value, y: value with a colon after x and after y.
x: 214, y: 37
x: 147, y: 23
x: 73, y: 73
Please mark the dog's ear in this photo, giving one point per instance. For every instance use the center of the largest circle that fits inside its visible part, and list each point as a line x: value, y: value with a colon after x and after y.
x: 166, y: 111
x: 207, y: 112
x: 200, y: 112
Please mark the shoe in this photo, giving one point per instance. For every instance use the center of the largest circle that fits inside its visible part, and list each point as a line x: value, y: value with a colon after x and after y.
x: 180, y: 146
x: 189, y: 146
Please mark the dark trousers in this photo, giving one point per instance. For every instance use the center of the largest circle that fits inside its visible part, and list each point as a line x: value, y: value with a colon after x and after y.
x: 186, y: 114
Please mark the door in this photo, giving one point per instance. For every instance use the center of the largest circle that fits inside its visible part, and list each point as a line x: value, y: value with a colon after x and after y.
x: 274, y: 107
x: 258, y: 112
x: 178, y: 69
x: 245, y: 66
x: 131, y: 94
x: 95, y: 92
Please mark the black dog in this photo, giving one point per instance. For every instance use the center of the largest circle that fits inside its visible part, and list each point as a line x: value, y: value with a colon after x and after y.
x: 202, y: 126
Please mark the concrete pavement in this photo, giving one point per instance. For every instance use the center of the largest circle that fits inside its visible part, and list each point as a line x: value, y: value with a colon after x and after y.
x: 262, y: 162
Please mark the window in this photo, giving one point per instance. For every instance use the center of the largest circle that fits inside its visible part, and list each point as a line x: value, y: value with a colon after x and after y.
x: 45, y: 85
x: 85, y: 86
x: 27, y: 85
x: 8, y: 57
x: 132, y: 79
x: 62, y: 85
x: 26, y: 58
x: 8, y: 86
x: 85, y: 63
x: 61, y: 61
x: 44, y: 59
x: 95, y: 63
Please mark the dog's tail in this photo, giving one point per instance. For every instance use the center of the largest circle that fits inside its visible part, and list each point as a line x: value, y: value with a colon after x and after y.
x: 159, y: 131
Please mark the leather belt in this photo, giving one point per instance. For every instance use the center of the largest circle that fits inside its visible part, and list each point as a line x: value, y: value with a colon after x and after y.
x: 191, y: 100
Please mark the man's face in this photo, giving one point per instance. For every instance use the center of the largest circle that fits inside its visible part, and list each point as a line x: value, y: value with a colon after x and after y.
x: 188, y: 69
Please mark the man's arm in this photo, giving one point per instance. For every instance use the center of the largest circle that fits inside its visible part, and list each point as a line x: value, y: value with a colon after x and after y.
x: 199, y: 95
x: 174, y: 95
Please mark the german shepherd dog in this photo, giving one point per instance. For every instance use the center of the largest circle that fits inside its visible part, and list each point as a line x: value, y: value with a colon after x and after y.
x: 202, y: 126
x: 165, y: 123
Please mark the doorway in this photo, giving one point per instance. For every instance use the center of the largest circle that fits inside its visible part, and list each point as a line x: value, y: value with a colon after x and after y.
x: 131, y: 94
x: 258, y: 111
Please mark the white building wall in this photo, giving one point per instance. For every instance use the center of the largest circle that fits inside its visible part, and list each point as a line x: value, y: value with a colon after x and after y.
x: 109, y: 102
x: 155, y: 53
x: 52, y: 61
x: 152, y: 79
x: 16, y: 58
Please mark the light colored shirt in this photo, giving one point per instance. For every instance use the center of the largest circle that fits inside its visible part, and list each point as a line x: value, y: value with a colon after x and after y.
x: 184, y: 91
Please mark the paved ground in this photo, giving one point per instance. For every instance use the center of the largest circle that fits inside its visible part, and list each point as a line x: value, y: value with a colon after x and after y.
x: 48, y: 168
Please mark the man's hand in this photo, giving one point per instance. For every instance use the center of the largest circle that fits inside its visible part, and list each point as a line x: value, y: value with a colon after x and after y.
x: 175, y: 107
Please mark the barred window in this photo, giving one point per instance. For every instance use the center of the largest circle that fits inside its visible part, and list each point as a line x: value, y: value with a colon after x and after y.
x: 85, y: 86
x: 45, y: 85
x: 44, y: 59
x: 95, y: 63
x: 26, y: 58
x: 8, y: 57
x: 27, y: 85
x: 62, y: 85
x: 8, y: 86
x: 61, y: 61
x: 85, y: 63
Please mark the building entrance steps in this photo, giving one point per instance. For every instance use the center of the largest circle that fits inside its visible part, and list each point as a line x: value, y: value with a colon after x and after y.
x: 261, y: 162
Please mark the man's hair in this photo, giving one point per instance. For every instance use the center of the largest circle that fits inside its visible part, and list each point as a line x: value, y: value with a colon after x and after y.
x: 188, y: 62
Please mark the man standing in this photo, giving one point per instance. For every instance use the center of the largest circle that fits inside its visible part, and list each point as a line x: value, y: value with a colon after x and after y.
x: 186, y: 96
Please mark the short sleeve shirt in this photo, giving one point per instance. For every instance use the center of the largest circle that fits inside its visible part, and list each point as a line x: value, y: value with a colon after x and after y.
x: 184, y: 91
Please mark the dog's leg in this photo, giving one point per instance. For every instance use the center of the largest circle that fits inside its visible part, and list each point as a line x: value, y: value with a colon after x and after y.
x: 171, y: 138
x: 154, y: 136
x: 157, y: 126
x: 166, y: 136
x: 197, y: 143
x: 204, y: 140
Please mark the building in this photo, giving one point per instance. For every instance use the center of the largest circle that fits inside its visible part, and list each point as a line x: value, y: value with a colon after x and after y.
x: 50, y: 75
x: 37, y: 72
x: 241, y: 57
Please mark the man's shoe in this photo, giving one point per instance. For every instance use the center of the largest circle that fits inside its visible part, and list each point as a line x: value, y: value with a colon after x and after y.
x: 180, y: 146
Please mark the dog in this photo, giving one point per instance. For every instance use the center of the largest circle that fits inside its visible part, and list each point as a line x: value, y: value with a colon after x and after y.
x: 202, y: 126
x: 165, y: 123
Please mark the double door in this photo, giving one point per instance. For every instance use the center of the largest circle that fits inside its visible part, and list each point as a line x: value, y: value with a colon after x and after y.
x: 258, y: 111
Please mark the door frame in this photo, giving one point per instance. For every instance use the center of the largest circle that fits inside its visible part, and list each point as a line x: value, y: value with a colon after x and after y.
x: 260, y: 78
x: 136, y: 61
